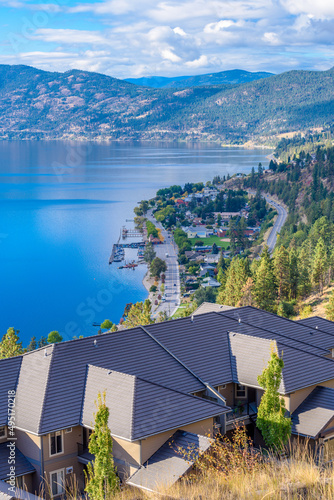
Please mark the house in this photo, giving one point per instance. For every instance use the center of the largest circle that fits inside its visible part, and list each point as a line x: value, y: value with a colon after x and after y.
x: 210, y: 282
x: 175, y: 381
x: 207, y: 269
x: 191, y: 234
x: 211, y: 258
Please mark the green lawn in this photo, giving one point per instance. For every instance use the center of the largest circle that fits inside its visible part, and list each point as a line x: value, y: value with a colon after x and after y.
x: 210, y: 241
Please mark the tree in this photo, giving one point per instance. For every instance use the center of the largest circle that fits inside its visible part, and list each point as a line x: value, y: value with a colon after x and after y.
x: 149, y: 253
x: 32, y: 344
x: 102, y: 481
x: 236, y: 277
x: 319, y: 266
x: 293, y: 273
x: 109, y: 325
x: 54, y: 337
x: 271, y: 420
x: 42, y: 342
x: 207, y: 294
x: 330, y: 308
x: 139, y: 314
x: 265, y: 286
x: 10, y: 345
x: 158, y: 266
x: 282, y: 272
x: 247, y: 294
x: 215, y: 249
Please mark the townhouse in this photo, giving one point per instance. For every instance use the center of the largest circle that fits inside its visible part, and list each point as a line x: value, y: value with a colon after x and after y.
x: 174, y: 382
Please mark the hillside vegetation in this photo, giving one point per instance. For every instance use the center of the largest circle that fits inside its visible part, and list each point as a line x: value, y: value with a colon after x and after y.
x: 234, y: 76
x: 79, y: 104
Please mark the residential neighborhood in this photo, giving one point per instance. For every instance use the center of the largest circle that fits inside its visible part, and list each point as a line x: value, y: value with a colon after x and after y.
x: 166, y: 384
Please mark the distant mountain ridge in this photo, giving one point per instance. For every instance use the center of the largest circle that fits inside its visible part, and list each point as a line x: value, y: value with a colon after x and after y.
x: 37, y: 104
x: 234, y: 76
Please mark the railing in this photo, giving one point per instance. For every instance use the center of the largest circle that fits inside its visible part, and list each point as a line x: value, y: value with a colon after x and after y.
x: 241, y: 411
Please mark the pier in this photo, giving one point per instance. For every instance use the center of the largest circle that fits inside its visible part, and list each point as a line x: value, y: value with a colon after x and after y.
x: 131, y: 233
x: 117, y: 253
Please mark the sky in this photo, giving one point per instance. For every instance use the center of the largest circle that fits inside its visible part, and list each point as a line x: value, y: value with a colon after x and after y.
x: 135, y: 38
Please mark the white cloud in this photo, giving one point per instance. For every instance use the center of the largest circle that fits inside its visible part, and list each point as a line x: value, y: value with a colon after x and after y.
x: 198, y: 63
x: 69, y: 36
x: 216, y: 27
x: 271, y: 38
x: 319, y: 9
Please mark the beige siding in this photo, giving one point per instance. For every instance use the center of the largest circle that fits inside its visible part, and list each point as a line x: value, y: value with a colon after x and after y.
x: 63, y: 463
x: 228, y: 394
x: 153, y: 443
x: 124, y: 450
x: 70, y: 441
x: 298, y: 397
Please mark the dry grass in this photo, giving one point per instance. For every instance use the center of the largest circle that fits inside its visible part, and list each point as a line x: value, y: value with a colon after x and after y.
x: 295, y: 478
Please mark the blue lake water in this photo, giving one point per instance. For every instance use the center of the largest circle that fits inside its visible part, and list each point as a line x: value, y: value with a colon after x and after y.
x: 62, y: 205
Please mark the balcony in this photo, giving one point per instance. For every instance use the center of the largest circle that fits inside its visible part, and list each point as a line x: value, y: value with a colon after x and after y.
x: 245, y: 413
x: 84, y: 457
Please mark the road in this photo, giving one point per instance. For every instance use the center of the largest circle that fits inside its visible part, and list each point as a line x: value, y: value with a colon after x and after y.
x: 282, y: 215
x: 172, y: 281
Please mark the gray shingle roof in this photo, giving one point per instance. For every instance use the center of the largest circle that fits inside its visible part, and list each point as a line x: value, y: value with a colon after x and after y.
x: 32, y: 387
x: 22, y: 464
x: 132, y: 352
x: 167, y: 465
x: 323, y: 326
x: 9, y: 372
x: 249, y: 355
x: 50, y: 389
x: 314, y: 413
x: 139, y: 408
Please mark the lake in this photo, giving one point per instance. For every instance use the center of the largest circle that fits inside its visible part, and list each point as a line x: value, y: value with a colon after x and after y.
x: 62, y: 207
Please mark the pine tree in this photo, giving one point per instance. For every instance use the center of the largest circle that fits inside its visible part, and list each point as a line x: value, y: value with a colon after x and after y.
x: 265, y: 290
x: 247, y: 292
x: 138, y: 314
x: 282, y: 272
x: 319, y: 266
x: 102, y: 481
x: 304, y: 271
x: 236, y: 278
x: 274, y: 426
x: 293, y: 273
x: 330, y: 308
x: 10, y: 345
x: 32, y: 344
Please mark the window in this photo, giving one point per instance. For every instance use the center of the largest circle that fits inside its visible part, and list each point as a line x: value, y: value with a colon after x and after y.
x: 3, y: 432
x: 57, y: 482
x: 241, y: 391
x: 56, y: 443
x: 68, y: 430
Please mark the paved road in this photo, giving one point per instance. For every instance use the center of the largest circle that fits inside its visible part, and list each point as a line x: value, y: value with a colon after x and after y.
x: 172, y: 281
x: 282, y: 215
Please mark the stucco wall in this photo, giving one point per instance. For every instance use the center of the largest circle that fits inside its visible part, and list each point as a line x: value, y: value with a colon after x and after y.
x: 298, y: 397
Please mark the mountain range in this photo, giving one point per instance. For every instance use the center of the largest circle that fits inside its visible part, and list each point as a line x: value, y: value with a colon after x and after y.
x: 233, y: 76
x: 79, y: 104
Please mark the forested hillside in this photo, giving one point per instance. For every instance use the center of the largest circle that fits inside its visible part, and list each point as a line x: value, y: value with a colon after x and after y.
x: 79, y: 104
x: 234, y: 76
x: 303, y: 262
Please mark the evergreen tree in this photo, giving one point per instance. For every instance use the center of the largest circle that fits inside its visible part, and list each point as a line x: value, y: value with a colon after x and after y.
x: 32, y: 344
x: 330, y: 308
x: 43, y: 341
x: 274, y: 426
x: 138, y: 314
x: 10, y: 345
x: 319, y: 266
x: 293, y: 273
x: 236, y: 278
x: 282, y: 272
x: 247, y: 292
x: 265, y: 290
x: 149, y: 253
x: 304, y: 271
x: 102, y: 481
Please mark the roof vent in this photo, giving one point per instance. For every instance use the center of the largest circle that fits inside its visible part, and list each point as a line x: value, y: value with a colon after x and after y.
x: 45, y: 353
x: 316, y: 328
x: 192, y: 318
x: 239, y: 320
x: 95, y: 343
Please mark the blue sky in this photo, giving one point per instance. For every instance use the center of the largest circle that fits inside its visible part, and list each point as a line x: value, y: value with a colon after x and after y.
x: 133, y: 38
